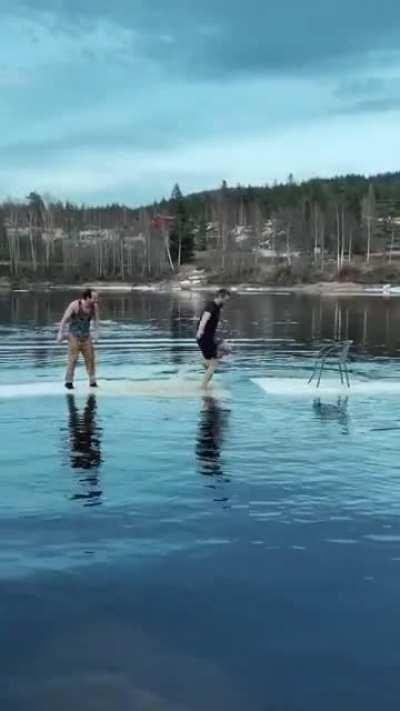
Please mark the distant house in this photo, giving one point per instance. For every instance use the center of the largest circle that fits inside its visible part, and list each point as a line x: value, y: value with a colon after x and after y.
x: 17, y: 231
x: 272, y: 254
x: 135, y: 239
x: 90, y: 235
x: 52, y: 235
x: 242, y: 233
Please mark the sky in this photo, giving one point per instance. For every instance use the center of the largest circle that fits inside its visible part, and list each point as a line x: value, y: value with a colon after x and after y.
x: 116, y: 101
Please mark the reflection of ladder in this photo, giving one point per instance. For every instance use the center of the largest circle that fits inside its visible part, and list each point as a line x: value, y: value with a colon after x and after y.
x: 338, y: 352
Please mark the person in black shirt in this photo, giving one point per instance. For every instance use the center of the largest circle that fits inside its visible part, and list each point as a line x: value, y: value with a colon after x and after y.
x: 206, y: 333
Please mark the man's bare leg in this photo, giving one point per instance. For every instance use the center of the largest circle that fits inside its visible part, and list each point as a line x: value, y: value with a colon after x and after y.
x: 211, y: 368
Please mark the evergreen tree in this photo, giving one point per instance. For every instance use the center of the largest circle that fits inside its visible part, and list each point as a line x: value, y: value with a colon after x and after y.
x: 181, y: 236
x: 37, y: 208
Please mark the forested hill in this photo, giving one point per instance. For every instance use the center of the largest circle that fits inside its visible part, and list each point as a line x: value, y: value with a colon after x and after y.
x: 321, y: 220
x: 279, y: 194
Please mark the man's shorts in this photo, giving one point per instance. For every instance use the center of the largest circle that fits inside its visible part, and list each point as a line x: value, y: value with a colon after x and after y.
x: 208, y: 347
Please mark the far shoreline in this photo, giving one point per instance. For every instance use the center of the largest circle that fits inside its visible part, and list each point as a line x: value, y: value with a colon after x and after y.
x: 326, y: 289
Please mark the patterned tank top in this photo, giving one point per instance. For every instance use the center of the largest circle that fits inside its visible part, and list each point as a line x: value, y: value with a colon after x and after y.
x: 79, y: 325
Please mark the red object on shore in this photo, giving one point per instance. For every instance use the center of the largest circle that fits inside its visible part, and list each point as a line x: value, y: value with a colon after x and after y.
x: 159, y: 220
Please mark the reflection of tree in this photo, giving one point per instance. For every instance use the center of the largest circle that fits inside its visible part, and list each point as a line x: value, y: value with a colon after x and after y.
x: 85, y: 450
x: 176, y: 333
x: 40, y: 356
x: 212, y: 426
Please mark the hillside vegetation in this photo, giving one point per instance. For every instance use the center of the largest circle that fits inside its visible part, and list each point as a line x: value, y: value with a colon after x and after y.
x: 346, y: 227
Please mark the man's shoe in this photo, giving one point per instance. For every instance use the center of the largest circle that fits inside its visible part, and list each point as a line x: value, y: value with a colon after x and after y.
x: 69, y: 386
x: 93, y: 385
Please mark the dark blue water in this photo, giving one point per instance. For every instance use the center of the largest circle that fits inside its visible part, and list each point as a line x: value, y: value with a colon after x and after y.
x: 190, y: 552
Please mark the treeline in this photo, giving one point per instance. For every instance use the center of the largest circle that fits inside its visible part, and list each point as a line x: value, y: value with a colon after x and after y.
x: 333, y: 220
x: 336, y: 218
x: 50, y: 239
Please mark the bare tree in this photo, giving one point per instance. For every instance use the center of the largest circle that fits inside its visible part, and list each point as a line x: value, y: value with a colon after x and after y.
x: 343, y: 234
x: 369, y: 218
x: 338, y: 235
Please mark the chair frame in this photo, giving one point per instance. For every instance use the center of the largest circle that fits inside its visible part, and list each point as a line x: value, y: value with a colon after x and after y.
x: 338, y: 350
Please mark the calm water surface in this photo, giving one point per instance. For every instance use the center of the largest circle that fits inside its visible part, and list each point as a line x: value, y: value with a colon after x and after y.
x: 196, y: 553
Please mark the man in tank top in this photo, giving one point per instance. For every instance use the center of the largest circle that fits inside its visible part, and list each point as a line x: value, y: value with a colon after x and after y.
x: 78, y: 316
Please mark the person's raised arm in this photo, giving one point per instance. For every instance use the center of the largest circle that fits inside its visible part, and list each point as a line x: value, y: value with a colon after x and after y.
x: 203, y: 321
x: 67, y: 315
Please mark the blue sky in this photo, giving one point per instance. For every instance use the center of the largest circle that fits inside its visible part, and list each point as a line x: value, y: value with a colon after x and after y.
x: 116, y: 101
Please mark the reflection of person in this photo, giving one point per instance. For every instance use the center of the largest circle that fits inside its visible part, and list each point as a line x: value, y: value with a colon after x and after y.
x: 84, y: 442
x: 212, y: 426
x: 211, y: 349
x: 78, y: 316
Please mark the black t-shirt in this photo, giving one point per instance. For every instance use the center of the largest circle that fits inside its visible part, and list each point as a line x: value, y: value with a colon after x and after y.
x: 212, y: 323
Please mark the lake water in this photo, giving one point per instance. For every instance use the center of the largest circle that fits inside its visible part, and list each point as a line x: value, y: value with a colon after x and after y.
x: 187, y: 553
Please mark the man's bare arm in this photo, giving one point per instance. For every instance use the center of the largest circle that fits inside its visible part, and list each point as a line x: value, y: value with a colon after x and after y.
x: 205, y: 317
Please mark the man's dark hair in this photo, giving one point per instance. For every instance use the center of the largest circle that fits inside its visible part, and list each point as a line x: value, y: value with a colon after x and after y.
x: 87, y: 294
x: 223, y: 292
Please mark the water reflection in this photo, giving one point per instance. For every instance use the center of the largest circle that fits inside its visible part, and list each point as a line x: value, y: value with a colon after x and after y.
x: 212, y: 428
x: 176, y: 333
x: 333, y: 412
x: 85, y: 448
x: 303, y: 318
x: 182, y: 325
x: 40, y: 356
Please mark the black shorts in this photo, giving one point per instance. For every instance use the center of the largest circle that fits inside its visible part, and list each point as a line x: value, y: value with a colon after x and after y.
x: 208, y: 347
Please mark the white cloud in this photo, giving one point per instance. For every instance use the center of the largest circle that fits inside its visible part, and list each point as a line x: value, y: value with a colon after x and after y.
x: 330, y: 147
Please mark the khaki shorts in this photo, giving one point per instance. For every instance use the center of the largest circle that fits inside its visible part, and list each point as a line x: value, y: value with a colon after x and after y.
x: 75, y: 347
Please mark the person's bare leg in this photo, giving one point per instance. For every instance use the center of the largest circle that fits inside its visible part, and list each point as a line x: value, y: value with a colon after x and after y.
x: 73, y: 353
x: 211, y: 368
x: 87, y: 349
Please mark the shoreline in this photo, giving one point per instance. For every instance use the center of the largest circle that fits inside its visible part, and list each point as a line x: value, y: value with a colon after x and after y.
x: 320, y: 288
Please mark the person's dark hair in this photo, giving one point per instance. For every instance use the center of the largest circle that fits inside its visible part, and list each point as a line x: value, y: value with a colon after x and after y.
x: 223, y: 293
x: 87, y: 294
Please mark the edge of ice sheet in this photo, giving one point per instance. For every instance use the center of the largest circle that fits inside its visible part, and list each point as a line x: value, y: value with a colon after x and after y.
x: 166, y: 388
x: 296, y: 387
